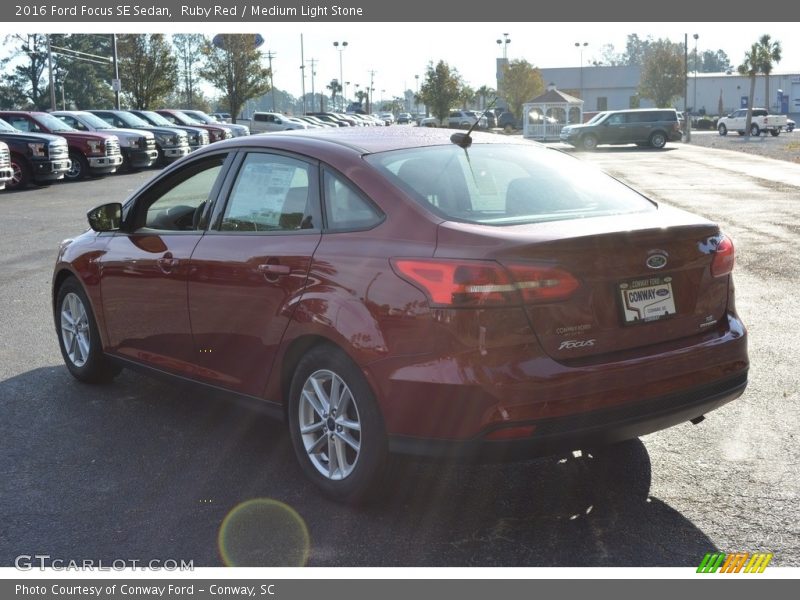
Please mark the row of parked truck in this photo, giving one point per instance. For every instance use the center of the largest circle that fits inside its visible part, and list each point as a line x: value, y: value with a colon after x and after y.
x: 41, y: 147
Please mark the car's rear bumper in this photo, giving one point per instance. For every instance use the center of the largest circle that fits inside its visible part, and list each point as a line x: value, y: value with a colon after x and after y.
x: 460, y: 399
x: 587, y: 429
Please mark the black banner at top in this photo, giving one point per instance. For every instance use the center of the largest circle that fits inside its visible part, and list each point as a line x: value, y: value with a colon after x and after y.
x: 260, y: 11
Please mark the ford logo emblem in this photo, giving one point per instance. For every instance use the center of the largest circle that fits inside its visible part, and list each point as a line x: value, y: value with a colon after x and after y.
x: 656, y: 261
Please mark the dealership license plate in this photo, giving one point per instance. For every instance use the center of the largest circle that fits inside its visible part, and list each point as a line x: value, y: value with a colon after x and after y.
x: 647, y: 299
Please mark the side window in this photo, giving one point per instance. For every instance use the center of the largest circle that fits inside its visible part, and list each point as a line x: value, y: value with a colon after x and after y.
x: 259, y: 117
x: 179, y: 204
x: 616, y: 119
x: 21, y: 123
x: 107, y: 119
x: 70, y: 121
x: 345, y: 208
x: 272, y: 193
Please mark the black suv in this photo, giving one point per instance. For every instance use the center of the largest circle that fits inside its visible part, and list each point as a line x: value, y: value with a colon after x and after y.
x: 641, y: 126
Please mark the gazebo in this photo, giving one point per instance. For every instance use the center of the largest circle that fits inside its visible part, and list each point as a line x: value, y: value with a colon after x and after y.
x: 548, y: 113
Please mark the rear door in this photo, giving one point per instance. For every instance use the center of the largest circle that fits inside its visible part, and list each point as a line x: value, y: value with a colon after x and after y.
x: 251, y: 267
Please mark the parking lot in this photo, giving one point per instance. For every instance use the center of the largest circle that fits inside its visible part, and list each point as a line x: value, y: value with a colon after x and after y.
x: 142, y: 469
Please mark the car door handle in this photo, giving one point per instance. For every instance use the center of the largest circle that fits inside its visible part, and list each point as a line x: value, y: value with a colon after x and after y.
x: 167, y: 262
x: 274, y: 270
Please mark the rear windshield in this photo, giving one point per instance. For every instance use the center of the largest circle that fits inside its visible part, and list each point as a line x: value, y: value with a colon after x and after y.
x: 497, y: 184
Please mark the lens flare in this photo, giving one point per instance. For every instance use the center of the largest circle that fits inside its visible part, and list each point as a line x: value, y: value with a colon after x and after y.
x: 263, y: 533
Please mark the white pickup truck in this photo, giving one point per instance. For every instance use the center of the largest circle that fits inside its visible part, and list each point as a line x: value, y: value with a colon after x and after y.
x: 761, y: 121
x: 269, y: 121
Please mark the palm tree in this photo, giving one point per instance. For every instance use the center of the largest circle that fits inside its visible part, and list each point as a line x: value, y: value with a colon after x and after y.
x: 751, y: 66
x: 770, y: 52
x: 334, y: 86
x: 483, y: 92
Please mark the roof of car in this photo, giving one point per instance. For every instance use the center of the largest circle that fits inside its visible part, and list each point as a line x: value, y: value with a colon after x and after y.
x: 369, y: 140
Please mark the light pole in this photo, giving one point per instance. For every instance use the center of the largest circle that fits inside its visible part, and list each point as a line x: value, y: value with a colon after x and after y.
x: 580, y: 46
x: 344, y: 92
x: 504, y: 44
x: 694, y: 104
x: 416, y: 97
x: 340, y: 47
x: 501, y: 75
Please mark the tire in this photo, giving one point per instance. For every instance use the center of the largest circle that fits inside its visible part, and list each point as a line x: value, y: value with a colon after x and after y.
x: 658, y: 139
x: 21, y: 176
x: 78, y: 336
x: 754, y: 130
x: 79, y: 168
x: 508, y: 128
x: 589, y: 142
x: 722, y: 129
x: 317, y: 432
x: 774, y: 132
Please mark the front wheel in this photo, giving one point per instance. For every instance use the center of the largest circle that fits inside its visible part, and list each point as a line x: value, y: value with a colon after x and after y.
x: 589, y: 142
x: 754, y: 130
x: 79, y: 168
x: 20, y: 173
x: 78, y: 336
x: 658, y: 140
x: 722, y: 129
x: 335, y: 425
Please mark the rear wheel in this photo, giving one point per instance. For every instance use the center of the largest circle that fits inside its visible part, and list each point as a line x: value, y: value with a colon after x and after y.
x: 21, y: 173
x: 754, y: 130
x: 658, y: 139
x: 78, y: 336
x: 79, y: 168
x: 774, y: 132
x: 335, y: 425
x: 589, y: 142
x: 722, y: 129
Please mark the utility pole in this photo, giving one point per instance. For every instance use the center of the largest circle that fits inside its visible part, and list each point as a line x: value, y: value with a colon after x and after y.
x: 303, y: 72
x: 270, y: 56
x: 116, y: 83
x: 50, y: 69
x: 314, y: 62
x: 686, y: 129
x: 371, y: 87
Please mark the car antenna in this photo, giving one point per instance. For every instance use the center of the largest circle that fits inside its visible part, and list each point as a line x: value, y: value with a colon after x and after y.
x: 463, y: 139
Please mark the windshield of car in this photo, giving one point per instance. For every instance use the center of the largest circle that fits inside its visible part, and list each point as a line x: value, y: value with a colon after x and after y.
x: 156, y: 119
x: 54, y: 123
x: 183, y: 119
x: 200, y: 116
x: 132, y: 120
x: 94, y: 121
x: 597, y: 118
x: 505, y: 184
x: 6, y: 127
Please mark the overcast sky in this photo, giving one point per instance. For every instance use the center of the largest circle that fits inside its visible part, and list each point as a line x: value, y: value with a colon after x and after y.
x: 399, y: 51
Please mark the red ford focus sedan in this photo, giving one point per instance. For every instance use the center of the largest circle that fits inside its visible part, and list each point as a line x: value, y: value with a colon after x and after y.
x: 396, y: 290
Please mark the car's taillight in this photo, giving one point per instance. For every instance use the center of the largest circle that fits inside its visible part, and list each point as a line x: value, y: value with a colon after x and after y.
x: 724, y: 256
x: 470, y: 283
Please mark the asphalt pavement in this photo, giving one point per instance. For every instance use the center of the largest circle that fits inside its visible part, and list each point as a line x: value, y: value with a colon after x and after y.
x: 142, y: 469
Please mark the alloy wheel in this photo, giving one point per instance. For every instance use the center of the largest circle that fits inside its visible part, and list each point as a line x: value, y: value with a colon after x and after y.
x: 330, y: 424
x: 75, y: 330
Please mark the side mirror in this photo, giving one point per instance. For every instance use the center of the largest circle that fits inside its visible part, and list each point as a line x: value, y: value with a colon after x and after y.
x: 106, y: 217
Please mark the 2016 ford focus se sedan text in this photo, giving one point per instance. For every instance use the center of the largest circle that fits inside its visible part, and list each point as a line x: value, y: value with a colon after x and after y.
x: 396, y: 290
